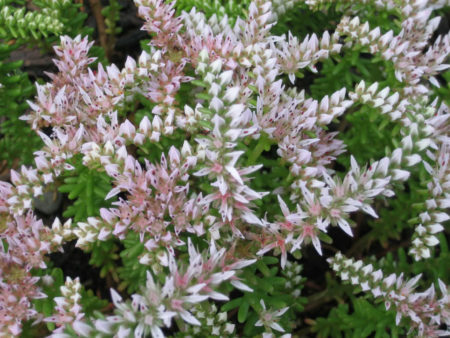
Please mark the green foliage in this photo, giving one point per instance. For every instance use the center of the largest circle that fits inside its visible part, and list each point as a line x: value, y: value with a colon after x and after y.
x: 17, y: 140
x: 367, y: 135
x: 345, y: 71
x: 231, y: 8
x: 395, y: 219
x: 444, y: 91
x: 435, y: 267
x: 301, y: 20
x: 277, y: 288
x: 132, y: 273
x: 20, y: 27
x: 104, y: 255
x: 91, y: 303
x: 273, y: 176
x: 111, y: 14
x: 19, y: 23
x: 52, y: 290
x: 88, y: 188
x: 363, y: 320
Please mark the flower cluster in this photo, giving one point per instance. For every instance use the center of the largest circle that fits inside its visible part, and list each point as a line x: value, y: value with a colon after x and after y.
x: 432, y: 219
x: 425, y: 311
x: 157, y: 305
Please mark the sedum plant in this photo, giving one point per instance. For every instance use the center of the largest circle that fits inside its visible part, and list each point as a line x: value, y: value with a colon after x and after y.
x: 21, y: 27
x: 203, y: 170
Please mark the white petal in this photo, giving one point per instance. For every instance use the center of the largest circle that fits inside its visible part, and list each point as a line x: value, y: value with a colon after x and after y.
x: 156, y: 332
x: 241, y: 286
x: 316, y: 242
x: 189, y: 318
x: 232, y: 170
x: 196, y: 288
x: 116, y: 298
x: 251, y: 218
x: 281, y: 312
x: 343, y: 224
x: 221, y: 276
x: 222, y: 185
x: 217, y: 296
x: 82, y: 328
x: 231, y: 94
x: 369, y: 210
x: 195, y: 298
x: 276, y: 326
x: 243, y: 264
x: 283, y: 206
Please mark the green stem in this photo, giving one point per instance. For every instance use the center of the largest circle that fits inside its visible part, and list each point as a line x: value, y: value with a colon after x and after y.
x: 264, y: 144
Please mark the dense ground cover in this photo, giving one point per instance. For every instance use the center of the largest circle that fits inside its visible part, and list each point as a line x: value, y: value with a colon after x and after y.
x: 232, y: 169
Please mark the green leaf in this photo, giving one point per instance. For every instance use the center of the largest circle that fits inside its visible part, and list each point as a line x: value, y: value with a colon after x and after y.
x: 243, y: 312
x: 231, y: 304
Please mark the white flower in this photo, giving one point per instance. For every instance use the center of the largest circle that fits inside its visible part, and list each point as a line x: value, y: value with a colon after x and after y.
x: 269, y: 318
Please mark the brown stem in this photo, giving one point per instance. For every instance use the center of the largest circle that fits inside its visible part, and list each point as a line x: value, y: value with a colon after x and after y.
x: 97, y: 11
x: 318, y: 299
